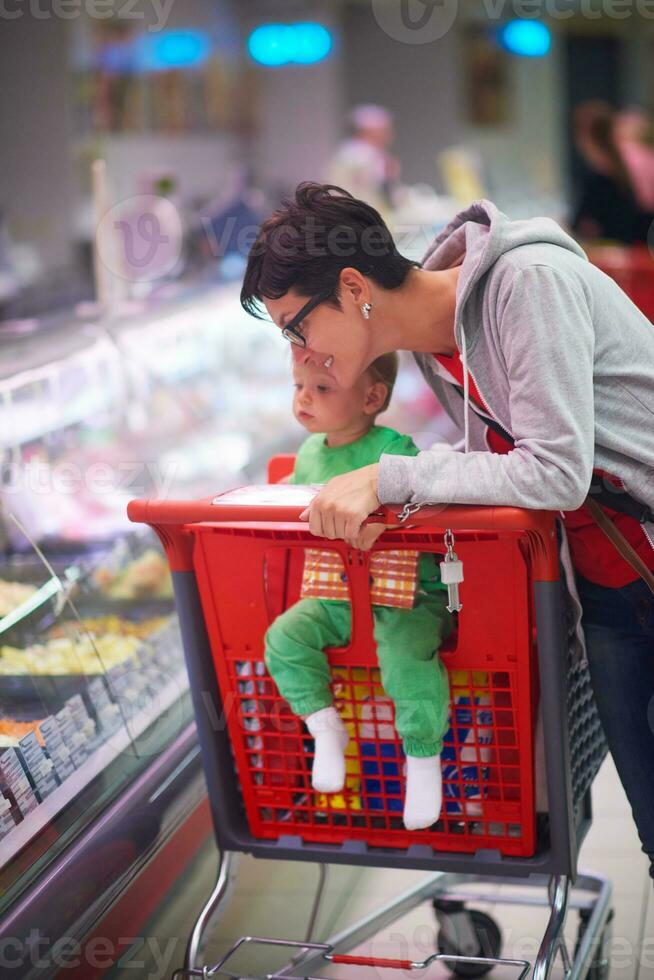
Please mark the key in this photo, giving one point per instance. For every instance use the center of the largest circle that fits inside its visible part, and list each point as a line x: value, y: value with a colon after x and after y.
x: 452, y: 574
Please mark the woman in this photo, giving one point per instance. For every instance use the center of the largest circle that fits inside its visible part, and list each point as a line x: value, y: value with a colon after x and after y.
x: 507, y: 320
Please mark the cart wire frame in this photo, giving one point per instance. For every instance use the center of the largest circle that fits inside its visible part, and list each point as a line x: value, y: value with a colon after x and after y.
x: 555, y: 860
x: 328, y: 954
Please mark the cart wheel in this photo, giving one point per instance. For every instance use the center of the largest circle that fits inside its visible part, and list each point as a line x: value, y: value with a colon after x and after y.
x: 601, y: 964
x: 487, y: 934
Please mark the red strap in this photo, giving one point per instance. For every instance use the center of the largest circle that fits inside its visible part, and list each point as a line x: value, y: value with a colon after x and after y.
x: 371, y: 961
x: 454, y: 365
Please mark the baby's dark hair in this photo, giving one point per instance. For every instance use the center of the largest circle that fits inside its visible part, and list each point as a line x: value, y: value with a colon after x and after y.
x: 385, y: 369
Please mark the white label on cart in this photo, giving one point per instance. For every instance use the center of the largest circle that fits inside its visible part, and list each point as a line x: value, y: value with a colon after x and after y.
x: 268, y: 495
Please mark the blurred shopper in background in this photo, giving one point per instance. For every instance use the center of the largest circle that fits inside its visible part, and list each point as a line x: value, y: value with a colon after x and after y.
x: 634, y: 136
x: 363, y: 162
x: 606, y: 204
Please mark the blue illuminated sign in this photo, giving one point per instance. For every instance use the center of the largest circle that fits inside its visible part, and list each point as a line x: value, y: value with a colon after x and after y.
x: 282, y: 44
x: 171, y: 49
x: 528, y: 38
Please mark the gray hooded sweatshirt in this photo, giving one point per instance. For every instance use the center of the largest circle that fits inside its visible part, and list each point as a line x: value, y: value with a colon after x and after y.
x: 562, y: 359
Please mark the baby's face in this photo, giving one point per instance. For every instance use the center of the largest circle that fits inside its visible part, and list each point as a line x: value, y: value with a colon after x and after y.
x: 321, y: 405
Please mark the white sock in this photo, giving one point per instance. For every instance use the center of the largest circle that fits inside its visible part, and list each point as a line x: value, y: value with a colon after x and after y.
x: 424, y: 789
x: 330, y: 739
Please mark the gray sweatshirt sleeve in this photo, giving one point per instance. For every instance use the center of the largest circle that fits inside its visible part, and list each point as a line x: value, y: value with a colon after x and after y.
x: 546, y: 342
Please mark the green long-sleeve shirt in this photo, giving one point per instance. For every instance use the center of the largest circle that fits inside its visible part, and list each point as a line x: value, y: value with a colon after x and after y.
x: 316, y: 462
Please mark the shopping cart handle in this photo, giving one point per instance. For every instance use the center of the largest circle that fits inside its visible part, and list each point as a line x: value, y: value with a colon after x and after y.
x: 283, y: 504
x: 471, y: 517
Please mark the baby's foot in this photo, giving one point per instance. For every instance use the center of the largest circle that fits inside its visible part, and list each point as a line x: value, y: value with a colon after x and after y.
x: 330, y: 740
x: 422, y: 803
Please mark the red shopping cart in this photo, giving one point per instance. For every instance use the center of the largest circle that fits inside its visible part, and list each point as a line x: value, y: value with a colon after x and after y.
x: 633, y: 270
x: 236, y: 562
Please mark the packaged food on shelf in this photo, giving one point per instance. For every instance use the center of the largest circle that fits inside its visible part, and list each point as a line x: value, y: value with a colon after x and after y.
x: 67, y: 655
x: 56, y: 748
x: 112, y: 623
x: 145, y: 577
x: 11, y: 731
x: 38, y: 765
x: 13, y: 594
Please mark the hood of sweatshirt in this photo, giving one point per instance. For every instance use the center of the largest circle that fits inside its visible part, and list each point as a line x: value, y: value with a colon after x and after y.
x: 476, y: 238
x: 479, y: 236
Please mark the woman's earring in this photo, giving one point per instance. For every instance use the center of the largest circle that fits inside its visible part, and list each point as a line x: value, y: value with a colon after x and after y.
x: 365, y: 309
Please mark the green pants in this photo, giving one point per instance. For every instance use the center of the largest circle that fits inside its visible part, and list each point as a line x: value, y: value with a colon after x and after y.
x: 412, y: 674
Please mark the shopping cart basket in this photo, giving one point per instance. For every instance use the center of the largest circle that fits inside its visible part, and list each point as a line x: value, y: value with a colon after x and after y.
x: 236, y: 562
x: 633, y: 270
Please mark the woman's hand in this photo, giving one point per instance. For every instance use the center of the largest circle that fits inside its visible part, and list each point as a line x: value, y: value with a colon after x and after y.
x: 341, y: 507
x: 367, y: 536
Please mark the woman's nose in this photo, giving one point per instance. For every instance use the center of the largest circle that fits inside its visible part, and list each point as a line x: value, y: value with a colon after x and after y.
x: 300, y: 354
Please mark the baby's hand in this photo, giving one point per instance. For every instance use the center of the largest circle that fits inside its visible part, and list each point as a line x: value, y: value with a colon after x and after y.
x: 367, y: 536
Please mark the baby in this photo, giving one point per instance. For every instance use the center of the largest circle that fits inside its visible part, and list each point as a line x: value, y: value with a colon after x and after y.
x: 407, y: 597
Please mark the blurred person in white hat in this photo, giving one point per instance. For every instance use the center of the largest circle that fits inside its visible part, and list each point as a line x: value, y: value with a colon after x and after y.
x: 363, y: 162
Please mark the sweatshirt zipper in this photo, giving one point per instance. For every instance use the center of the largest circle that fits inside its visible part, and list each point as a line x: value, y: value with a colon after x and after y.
x: 489, y: 411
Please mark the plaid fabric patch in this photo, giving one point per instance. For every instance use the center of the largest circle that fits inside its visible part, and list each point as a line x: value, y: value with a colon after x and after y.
x: 394, y: 577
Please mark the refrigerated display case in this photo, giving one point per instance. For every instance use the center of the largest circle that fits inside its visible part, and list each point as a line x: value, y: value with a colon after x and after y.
x: 102, y: 798
x: 99, y: 766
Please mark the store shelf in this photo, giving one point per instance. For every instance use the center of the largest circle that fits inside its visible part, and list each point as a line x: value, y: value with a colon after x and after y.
x: 96, y: 763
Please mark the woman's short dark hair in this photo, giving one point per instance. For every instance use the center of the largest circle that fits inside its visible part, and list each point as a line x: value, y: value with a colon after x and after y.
x: 310, y: 238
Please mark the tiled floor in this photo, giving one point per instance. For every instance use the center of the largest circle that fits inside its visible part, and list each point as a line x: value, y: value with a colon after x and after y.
x: 274, y: 899
x: 611, y: 848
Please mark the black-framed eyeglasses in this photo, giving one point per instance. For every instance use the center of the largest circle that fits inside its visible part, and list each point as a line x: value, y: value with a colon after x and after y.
x: 291, y: 330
